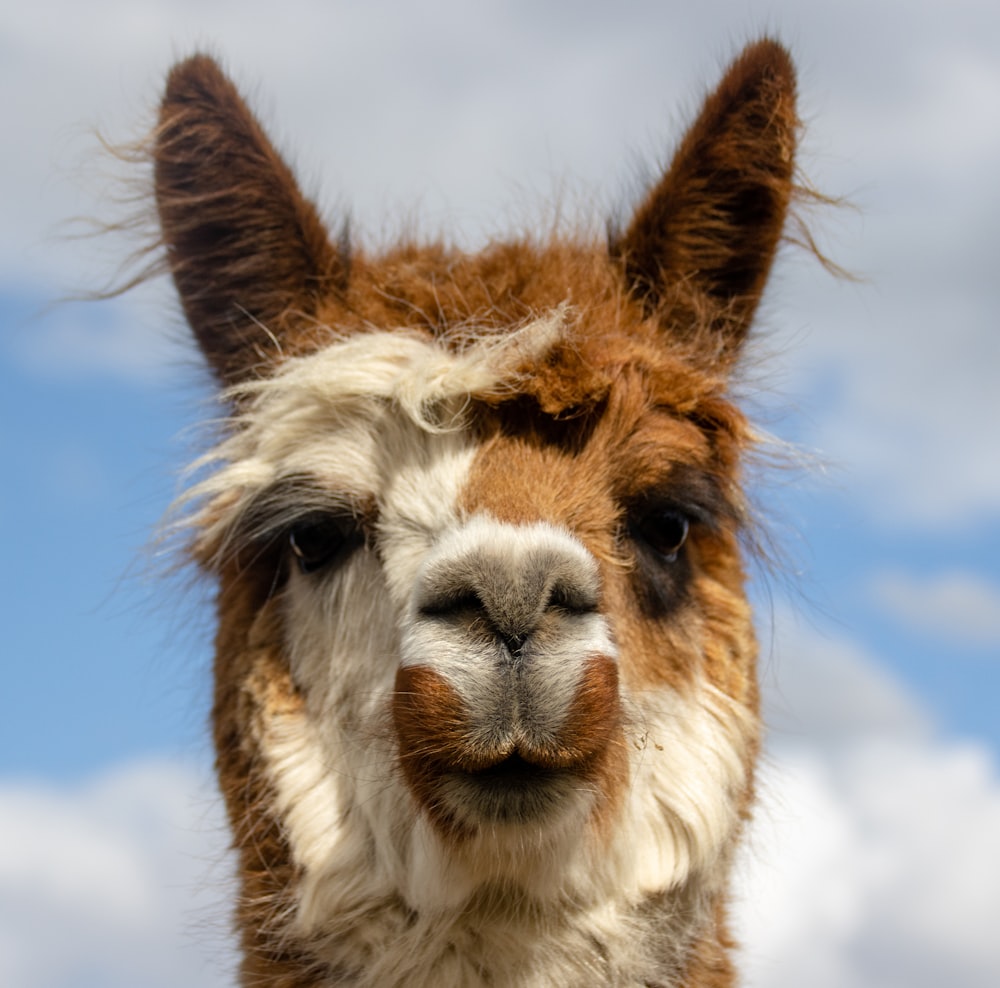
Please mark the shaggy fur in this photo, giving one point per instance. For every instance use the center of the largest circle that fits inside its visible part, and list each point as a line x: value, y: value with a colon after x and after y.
x: 485, y: 701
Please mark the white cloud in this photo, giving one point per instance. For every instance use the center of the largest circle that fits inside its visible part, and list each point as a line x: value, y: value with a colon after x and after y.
x: 871, y: 854
x: 956, y: 605
x: 873, y: 868
x: 117, y: 883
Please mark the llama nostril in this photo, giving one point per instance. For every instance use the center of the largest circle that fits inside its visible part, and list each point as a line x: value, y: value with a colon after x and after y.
x: 450, y: 602
x: 575, y: 598
x: 512, y: 626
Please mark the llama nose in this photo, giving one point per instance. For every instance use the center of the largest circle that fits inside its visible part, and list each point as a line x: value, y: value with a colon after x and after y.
x: 509, y: 579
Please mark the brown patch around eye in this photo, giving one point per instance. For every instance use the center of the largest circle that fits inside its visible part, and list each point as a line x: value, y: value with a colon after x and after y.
x: 660, y: 587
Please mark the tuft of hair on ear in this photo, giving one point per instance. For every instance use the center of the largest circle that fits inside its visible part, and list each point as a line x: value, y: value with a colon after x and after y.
x: 699, y: 248
x: 249, y: 254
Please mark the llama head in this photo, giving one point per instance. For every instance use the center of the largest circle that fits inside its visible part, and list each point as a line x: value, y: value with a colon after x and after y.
x: 483, y: 644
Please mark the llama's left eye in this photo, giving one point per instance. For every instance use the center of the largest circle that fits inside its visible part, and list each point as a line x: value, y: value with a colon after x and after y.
x: 316, y: 542
x: 664, y: 530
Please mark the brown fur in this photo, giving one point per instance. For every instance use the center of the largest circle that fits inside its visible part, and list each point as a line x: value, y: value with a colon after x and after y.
x: 633, y: 400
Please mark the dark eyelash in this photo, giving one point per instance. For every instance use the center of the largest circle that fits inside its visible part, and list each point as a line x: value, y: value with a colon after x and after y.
x: 299, y: 517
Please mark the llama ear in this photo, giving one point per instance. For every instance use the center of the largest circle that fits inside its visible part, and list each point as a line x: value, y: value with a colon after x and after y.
x: 699, y: 248
x: 248, y: 252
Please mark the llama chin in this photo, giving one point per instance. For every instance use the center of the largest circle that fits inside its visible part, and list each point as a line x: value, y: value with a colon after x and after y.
x: 486, y: 709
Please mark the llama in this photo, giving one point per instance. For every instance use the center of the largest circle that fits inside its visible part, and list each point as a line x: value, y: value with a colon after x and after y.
x: 485, y: 707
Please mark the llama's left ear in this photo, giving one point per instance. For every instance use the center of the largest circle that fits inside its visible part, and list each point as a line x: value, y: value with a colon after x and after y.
x: 249, y: 254
x: 699, y: 248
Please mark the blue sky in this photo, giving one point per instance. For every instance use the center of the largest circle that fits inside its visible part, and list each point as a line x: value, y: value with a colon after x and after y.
x: 882, y: 628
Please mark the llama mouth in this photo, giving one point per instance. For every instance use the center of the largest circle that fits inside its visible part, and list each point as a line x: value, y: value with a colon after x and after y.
x: 511, y: 791
x: 514, y: 770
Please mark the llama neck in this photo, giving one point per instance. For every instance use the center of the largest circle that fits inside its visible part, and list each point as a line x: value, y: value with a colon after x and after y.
x: 499, y: 937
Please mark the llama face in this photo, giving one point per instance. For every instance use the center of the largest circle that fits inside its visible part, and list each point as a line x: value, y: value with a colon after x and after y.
x: 483, y: 645
x: 498, y: 624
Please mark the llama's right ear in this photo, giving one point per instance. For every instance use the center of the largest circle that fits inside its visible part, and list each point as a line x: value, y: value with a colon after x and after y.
x: 248, y: 252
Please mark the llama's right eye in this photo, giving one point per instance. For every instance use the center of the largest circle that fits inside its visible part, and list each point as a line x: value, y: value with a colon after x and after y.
x: 317, y: 542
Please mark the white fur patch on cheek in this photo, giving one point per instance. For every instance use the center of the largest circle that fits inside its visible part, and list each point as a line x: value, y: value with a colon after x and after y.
x: 342, y: 634
x: 307, y: 798
x: 317, y: 796
x: 689, y: 769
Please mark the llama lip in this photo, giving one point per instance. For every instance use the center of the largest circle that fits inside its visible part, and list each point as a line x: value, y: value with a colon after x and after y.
x: 513, y: 790
x: 514, y: 770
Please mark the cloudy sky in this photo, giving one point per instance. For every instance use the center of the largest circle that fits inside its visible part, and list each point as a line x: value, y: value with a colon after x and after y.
x: 876, y: 853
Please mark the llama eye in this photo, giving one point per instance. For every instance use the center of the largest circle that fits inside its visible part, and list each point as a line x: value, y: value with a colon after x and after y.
x: 664, y: 531
x: 316, y: 542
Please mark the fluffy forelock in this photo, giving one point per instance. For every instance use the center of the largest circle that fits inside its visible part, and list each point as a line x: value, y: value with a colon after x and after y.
x: 343, y: 388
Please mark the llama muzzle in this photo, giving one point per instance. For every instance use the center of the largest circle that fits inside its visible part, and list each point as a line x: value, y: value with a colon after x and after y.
x: 508, y: 689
